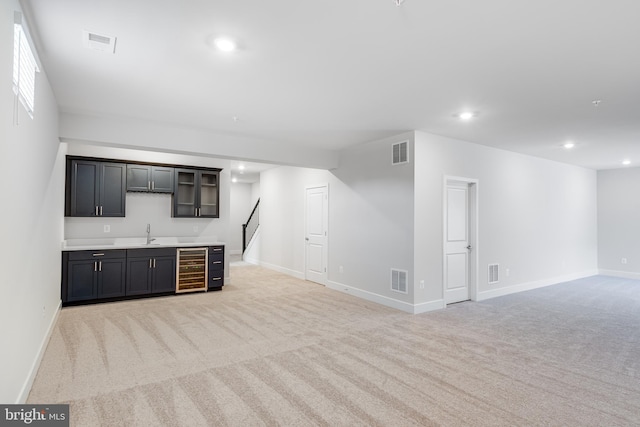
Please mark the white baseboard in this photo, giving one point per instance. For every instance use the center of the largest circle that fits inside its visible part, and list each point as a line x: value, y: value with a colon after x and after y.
x: 26, y: 388
x: 425, y: 307
x: 494, y: 293
x: 294, y: 273
x: 621, y: 274
x: 370, y: 296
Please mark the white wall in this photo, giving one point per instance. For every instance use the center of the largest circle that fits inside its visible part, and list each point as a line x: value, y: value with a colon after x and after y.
x: 537, y: 218
x: 370, y: 220
x: 618, y: 222
x: 240, y: 209
x: 281, y: 216
x: 32, y: 170
x: 255, y: 193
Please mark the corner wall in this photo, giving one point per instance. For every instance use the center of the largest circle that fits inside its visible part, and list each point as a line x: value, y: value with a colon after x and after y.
x: 370, y: 221
x: 32, y: 170
x: 618, y: 224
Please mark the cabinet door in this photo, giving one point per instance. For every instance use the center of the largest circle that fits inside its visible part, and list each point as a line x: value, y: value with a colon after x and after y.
x: 84, y: 188
x: 111, y: 278
x: 112, y: 189
x: 138, y: 276
x: 184, y: 197
x: 161, y: 179
x: 138, y: 178
x: 81, y: 284
x: 208, y: 194
x: 164, y: 275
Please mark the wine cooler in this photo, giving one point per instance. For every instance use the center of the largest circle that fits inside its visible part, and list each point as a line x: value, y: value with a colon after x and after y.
x: 191, y: 274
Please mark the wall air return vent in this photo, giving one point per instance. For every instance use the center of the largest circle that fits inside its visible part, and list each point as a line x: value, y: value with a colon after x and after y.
x: 99, y: 42
x: 493, y: 273
x: 400, y: 153
x: 399, y: 280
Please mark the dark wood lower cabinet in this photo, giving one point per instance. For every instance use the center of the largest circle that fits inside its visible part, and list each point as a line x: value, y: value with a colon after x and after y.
x: 151, y: 271
x: 95, y: 276
x: 216, y: 267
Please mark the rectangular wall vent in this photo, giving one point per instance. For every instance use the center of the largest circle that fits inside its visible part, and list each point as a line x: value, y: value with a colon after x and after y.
x: 399, y: 280
x: 99, y: 42
x: 400, y: 153
x: 494, y: 273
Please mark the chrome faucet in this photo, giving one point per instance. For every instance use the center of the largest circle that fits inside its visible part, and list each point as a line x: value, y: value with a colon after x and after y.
x: 149, y: 239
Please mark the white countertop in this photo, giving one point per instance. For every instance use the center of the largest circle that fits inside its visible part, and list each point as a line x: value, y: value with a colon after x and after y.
x: 137, y: 243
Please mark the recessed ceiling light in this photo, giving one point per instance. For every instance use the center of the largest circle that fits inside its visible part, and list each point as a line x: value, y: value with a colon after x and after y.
x: 225, y: 44
x: 626, y: 162
x: 466, y: 115
x: 234, y: 179
x: 569, y: 145
x: 241, y: 167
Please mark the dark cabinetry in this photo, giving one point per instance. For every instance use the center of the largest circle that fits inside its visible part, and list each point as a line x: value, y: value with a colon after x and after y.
x: 95, y: 188
x: 216, y: 267
x: 93, y: 275
x: 196, y: 193
x: 149, y: 178
x: 116, y: 274
x: 151, y: 271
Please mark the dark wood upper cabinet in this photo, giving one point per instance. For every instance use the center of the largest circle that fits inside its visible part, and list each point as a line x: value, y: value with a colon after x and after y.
x: 149, y: 178
x: 196, y: 193
x: 95, y: 188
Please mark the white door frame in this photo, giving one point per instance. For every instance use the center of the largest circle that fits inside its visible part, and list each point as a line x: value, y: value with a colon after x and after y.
x: 473, y: 187
x: 325, y: 250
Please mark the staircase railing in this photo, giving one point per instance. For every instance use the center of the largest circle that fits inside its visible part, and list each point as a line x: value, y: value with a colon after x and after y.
x: 249, y: 228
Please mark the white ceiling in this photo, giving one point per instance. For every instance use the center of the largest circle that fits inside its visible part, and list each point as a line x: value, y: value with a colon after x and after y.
x: 335, y: 73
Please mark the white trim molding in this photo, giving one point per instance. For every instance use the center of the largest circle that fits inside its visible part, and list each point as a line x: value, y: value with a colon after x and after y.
x: 620, y: 274
x: 527, y: 286
x: 26, y: 388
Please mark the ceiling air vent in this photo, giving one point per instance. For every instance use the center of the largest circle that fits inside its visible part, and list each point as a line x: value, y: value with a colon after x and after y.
x: 399, y: 280
x: 493, y: 273
x: 99, y: 42
x: 400, y: 153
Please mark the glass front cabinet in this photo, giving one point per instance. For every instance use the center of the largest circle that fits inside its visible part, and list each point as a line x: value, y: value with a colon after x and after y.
x: 196, y: 193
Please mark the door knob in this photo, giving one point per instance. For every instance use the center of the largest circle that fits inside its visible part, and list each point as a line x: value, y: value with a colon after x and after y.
x: 469, y: 247
x: 306, y: 238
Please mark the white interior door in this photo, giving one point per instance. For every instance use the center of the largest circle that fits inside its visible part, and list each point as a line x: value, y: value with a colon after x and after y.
x: 316, y: 225
x: 457, y: 243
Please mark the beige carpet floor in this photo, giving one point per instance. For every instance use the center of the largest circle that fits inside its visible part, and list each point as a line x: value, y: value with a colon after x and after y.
x: 273, y: 350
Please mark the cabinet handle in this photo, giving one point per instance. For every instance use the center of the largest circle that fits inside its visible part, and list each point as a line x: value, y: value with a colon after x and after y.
x: 95, y: 265
x: 216, y: 278
x: 217, y: 262
x: 96, y: 211
x: 98, y: 254
x: 99, y: 265
x: 217, y: 249
x: 100, y: 210
x: 154, y: 263
x: 153, y: 185
x: 149, y: 262
x: 148, y: 185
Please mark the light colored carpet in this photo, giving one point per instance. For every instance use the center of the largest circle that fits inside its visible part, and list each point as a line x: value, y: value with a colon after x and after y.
x: 273, y: 350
